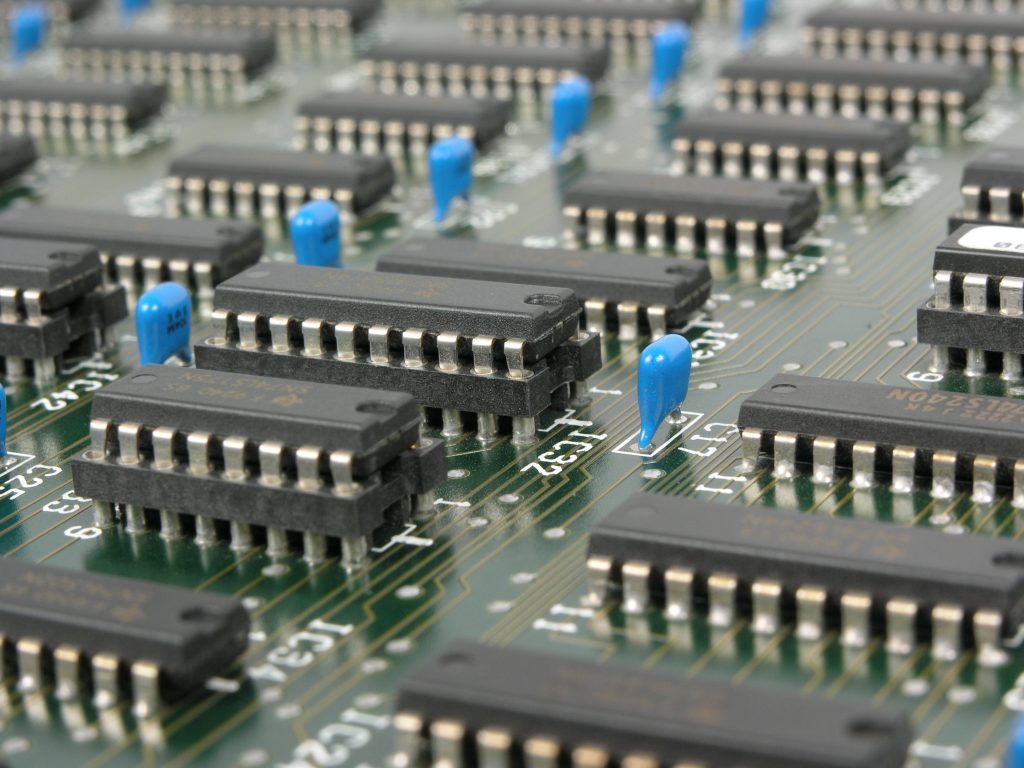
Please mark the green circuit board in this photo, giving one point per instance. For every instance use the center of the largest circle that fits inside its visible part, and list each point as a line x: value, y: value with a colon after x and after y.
x: 503, y: 557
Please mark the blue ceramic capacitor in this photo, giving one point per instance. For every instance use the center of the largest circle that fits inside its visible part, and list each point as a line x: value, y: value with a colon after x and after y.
x: 668, y: 54
x: 451, y: 172
x: 570, y: 110
x: 163, y: 324
x: 27, y: 27
x: 316, y: 234
x: 753, y: 16
x: 663, y: 379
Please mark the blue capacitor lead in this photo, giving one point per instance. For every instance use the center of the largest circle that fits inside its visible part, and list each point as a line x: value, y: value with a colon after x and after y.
x: 451, y: 172
x: 1015, y: 751
x: 570, y: 110
x: 316, y: 234
x: 753, y: 16
x: 663, y: 379
x: 668, y: 53
x: 163, y: 324
x: 27, y: 27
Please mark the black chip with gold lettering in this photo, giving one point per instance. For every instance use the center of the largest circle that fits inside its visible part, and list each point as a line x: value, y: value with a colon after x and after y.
x: 859, y: 412
x: 773, y: 567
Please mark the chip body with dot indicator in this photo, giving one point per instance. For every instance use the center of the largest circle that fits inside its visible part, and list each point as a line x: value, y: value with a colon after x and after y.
x: 684, y: 214
x: 897, y: 33
x: 102, y: 111
x: 213, y: 454
x: 630, y: 294
x: 219, y: 58
x: 140, y: 252
x: 250, y: 181
x: 727, y: 562
x: 504, y: 353
x: 790, y: 147
x: 53, y: 305
x: 927, y: 91
x: 895, y: 434
x: 534, y: 706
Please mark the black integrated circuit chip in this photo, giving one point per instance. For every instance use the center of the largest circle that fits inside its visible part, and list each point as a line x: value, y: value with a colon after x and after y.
x: 43, y: 276
x: 900, y: 433
x: 209, y: 454
x: 53, y: 108
x: 975, y: 319
x: 620, y: 22
x: 305, y: 17
x: 880, y: 33
x: 790, y: 147
x: 457, y: 66
x: 475, y: 703
x: 773, y: 567
x: 684, y: 213
x: 356, y: 121
x: 992, y: 187
x: 930, y: 92
x: 628, y: 293
x: 217, y: 58
x: 17, y: 155
x: 142, y: 251
x: 102, y: 634
x: 52, y: 305
x: 490, y: 349
x: 268, y: 182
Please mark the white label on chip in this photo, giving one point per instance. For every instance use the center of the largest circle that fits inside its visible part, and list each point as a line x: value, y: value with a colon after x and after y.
x: 1009, y: 239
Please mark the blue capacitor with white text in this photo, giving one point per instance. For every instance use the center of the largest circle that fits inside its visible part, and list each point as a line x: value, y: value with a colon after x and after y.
x: 570, y: 110
x: 451, y: 172
x: 663, y: 380
x: 163, y: 324
x: 316, y: 234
